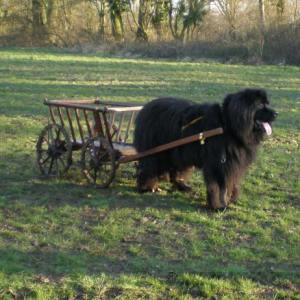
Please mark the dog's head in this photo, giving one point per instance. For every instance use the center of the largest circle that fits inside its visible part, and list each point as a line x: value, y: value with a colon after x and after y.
x: 248, y: 116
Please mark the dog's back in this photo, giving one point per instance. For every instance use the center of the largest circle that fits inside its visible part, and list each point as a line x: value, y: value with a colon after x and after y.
x: 160, y: 121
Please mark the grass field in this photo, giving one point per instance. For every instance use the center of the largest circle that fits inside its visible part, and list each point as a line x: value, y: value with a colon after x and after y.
x: 61, y: 239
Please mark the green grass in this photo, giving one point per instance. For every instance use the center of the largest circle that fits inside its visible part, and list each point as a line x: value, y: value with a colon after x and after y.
x: 61, y: 239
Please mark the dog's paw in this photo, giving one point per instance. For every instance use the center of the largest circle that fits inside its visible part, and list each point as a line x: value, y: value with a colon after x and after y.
x: 149, y: 190
x: 221, y: 209
x: 181, y: 186
x: 234, y: 195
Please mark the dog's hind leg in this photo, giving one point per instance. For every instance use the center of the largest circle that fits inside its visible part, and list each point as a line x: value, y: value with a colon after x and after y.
x: 147, y: 176
x: 179, y: 178
x: 147, y: 184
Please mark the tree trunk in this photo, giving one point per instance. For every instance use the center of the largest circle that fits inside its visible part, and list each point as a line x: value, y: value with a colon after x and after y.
x: 100, y: 7
x: 101, y: 15
x: 117, y: 26
x: 116, y: 21
x: 141, y: 34
x: 51, y: 17
x: 38, y: 26
x: 280, y: 7
x: 173, y: 24
x: 159, y: 18
x: 261, y: 7
x: 170, y: 14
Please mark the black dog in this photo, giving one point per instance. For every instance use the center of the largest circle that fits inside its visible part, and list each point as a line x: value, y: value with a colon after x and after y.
x: 245, y: 118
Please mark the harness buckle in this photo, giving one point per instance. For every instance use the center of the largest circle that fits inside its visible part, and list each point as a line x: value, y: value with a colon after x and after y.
x: 201, y: 138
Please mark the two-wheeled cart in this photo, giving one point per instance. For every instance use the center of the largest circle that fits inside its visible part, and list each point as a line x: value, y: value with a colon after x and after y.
x: 102, y: 131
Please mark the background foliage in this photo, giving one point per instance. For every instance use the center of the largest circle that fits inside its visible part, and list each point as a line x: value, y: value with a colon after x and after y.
x: 248, y: 30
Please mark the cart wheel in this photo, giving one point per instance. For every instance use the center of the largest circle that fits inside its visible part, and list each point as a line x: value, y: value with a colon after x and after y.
x: 54, y: 151
x: 98, y: 162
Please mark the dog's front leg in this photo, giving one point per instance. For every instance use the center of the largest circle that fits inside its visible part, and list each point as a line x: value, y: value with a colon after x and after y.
x: 216, y: 195
x: 235, y: 193
x: 216, y: 185
x: 233, y: 185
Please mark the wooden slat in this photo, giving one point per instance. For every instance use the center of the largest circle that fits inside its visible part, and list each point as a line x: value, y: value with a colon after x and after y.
x: 123, y: 109
x: 98, y: 130
x: 87, y: 123
x: 93, y: 101
x: 94, y: 105
x: 112, y: 119
x: 71, y: 125
x: 120, y: 126
x: 78, y: 124
x: 129, y: 126
x: 107, y: 129
x: 52, y: 115
x: 91, y: 106
x: 124, y: 149
x: 60, y: 117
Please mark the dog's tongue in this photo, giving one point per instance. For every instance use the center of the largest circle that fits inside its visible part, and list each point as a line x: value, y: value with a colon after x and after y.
x: 267, y: 128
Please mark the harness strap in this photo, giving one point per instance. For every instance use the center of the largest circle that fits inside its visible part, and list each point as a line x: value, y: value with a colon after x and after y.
x: 183, y: 141
x: 191, y: 123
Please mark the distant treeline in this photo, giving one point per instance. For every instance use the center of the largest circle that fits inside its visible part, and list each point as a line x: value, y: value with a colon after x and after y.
x: 252, y: 30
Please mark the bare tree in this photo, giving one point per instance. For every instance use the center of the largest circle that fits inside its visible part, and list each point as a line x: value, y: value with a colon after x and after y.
x: 52, y: 17
x: 141, y: 34
x: 159, y: 17
x: 116, y: 8
x: 185, y: 16
x: 38, y: 24
x: 280, y: 7
x: 262, y: 30
x: 100, y: 7
x: 229, y: 9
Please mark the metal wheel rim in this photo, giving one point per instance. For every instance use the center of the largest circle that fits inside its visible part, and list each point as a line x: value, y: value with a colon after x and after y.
x: 98, y: 163
x: 54, y: 151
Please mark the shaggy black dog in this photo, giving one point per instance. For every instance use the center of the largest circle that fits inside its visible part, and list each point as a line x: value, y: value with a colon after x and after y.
x: 245, y: 117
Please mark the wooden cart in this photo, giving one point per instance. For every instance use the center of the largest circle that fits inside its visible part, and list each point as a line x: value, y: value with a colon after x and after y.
x: 102, y: 131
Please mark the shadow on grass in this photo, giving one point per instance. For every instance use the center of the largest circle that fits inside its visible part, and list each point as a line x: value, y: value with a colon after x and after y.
x: 57, y: 263
x: 54, y: 192
x: 50, y: 260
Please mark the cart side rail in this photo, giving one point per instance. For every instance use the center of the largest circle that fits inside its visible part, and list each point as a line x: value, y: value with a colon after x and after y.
x: 77, y: 120
x: 89, y: 118
x: 97, y: 105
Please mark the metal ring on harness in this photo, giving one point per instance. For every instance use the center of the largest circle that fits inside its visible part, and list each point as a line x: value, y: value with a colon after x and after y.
x: 201, y: 138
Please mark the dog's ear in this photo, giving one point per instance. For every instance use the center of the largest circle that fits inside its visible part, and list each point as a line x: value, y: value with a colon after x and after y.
x: 237, y: 113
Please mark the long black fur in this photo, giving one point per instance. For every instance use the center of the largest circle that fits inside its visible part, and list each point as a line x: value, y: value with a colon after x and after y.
x: 223, y: 158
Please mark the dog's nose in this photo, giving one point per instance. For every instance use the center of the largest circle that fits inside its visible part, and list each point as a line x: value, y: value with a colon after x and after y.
x: 275, y: 114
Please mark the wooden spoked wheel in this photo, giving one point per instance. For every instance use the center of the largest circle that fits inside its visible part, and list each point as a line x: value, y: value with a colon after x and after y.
x: 98, y: 162
x: 54, y: 151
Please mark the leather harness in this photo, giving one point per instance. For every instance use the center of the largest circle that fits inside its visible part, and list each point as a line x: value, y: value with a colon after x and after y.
x: 180, y: 142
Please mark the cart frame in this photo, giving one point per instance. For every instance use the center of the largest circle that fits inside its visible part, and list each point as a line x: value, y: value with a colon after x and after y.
x: 102, y: 137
